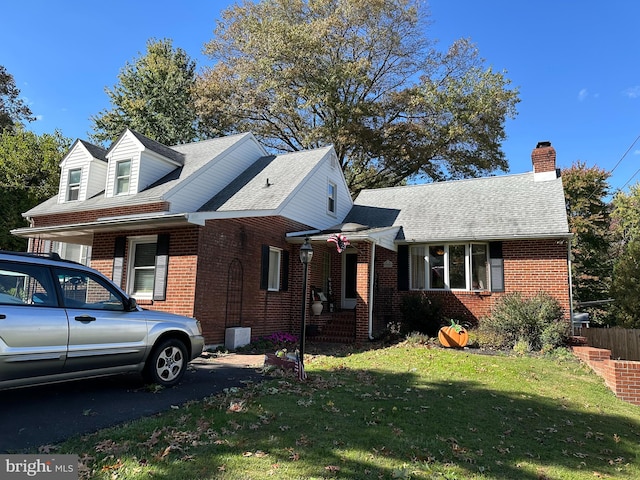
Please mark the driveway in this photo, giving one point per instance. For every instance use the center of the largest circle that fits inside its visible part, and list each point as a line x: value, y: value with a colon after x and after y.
x: 45, y: 415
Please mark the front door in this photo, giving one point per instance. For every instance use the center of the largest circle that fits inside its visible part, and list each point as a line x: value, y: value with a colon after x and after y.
x: 349, y: 278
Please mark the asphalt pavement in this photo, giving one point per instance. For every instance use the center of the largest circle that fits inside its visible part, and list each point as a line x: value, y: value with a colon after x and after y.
x: 45, y: 415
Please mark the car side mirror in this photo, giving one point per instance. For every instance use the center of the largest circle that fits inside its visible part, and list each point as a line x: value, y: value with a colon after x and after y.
x: 132, y: 305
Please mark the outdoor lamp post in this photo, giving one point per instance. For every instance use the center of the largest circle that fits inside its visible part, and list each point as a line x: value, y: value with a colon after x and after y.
x: 306, y: 254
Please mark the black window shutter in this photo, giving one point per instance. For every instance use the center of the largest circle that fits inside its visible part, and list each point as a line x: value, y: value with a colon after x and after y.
x: 285, y: 270
x: 118, y: 260
x: 264, y: 272
x: 162, y: 267
x: 496, y: 263
x: 403, y: 268
x: 495, y: 249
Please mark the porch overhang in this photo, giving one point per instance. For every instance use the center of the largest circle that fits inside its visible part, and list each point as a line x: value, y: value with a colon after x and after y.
x: 384, y: 237
x: 82, y: 233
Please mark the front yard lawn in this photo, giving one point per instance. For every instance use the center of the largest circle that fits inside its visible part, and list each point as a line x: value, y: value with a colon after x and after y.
x: 400, y: 412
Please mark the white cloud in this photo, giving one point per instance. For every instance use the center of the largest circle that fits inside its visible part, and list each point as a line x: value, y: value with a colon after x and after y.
x: 632, y: 92
x: 583, y: 94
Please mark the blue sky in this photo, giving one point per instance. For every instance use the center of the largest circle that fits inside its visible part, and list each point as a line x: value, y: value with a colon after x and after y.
x: 574, y: 62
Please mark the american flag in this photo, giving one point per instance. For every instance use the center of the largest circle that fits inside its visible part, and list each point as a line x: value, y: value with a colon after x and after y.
x: 340, y: 240
x: 299, y: 369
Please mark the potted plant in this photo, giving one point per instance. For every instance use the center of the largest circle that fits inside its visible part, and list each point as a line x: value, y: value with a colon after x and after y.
x: 316, y: 301
x: 454, y: 335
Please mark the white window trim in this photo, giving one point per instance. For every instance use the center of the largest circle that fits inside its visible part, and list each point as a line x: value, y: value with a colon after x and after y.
x: 333, y: 197
x: 76, y: 186
x: 133, y: 243
x: 467, y: 266
x: 277, y: 267
x: 117, y: 178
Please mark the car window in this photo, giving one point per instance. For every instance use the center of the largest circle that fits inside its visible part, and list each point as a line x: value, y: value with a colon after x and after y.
x: 83, y: 290
x: 24, y: 284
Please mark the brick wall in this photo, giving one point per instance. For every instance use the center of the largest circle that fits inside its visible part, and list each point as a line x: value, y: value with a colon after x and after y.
x: 182, y: 268
x: 530, y: 266
x: 223, y: 242
x: 621, y: 376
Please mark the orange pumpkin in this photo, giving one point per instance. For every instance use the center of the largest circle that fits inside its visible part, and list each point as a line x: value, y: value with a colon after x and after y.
x: 453, y: 336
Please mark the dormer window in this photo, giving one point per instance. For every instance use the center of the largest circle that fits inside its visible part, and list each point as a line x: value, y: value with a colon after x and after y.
x: 332, y: 192
x: 123, y: 176
x: 73, y: 184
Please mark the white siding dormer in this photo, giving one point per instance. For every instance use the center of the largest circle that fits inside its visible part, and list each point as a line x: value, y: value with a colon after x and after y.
x: 325, y: 185
x: 81, y: 173
x: 133, y: 166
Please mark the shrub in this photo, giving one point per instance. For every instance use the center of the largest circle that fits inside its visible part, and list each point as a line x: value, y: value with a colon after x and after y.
x: 271, y: 343
x: 421, y: 313
x: 537, y: 322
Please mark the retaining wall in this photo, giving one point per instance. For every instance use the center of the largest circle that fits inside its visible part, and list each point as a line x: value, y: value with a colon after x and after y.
x: 621, y: 376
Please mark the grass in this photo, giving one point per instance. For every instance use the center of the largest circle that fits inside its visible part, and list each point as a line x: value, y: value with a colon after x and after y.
x: 400, y: 412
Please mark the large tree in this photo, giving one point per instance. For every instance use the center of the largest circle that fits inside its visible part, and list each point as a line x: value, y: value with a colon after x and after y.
x: 625, y: 249
x: 588, y: 213
x: 363, y: 76
x: 154, y: 97
x: 13, y: 110
x: 29, y: 174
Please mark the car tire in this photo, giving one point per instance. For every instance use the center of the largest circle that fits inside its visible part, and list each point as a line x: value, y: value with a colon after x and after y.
x: 167, y: 363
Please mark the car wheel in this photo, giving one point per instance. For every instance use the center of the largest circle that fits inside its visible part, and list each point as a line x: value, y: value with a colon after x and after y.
x: 167, y: 363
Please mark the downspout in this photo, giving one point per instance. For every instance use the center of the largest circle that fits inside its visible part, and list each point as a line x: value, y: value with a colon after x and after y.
x: 372, y: 276
x: 573, y: 328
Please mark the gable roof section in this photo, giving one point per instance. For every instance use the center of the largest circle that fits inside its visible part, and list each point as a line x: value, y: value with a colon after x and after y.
x: 94, y: 150
x: 195, y: 157
x: 490, y: 208
x: 267, y: 184
x: 152, y: 145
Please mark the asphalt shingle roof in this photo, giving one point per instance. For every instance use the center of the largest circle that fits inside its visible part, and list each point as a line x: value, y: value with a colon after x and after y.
x: 249, y: 191
x: 485, y: 208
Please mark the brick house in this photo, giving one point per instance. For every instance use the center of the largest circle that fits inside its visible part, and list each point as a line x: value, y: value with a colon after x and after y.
x: 213, y: 229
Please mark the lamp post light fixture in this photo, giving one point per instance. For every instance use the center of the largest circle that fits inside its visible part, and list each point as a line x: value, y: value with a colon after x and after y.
x: 306, y: 254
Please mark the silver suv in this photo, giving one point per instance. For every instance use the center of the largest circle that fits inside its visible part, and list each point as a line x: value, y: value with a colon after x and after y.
x: 60, y: 320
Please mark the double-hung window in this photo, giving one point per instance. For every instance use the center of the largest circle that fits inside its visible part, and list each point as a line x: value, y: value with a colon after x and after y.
x: 274, y: 269
x: 123, y: 176
x: 462, y: 266
x: 332, y: 192
x: 73, y: 184
x: 142, y: 267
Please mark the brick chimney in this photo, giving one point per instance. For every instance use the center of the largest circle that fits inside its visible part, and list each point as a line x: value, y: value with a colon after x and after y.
x: 543, y: 158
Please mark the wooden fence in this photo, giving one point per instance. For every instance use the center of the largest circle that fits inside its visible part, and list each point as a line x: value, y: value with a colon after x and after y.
x: 624, y: 343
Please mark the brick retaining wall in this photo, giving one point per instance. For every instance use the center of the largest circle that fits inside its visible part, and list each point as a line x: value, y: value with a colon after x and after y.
x: 621, y: 376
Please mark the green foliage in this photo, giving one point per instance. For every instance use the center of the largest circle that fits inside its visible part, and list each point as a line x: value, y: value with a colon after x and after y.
x: 271, y: 343
x: 625, y: 251
x: 626, y: 218
x: 29, y: 174
x: 421, y: 313
x: 362, y: 76
x: 154, y: 97
x: 626, y: 279
x: 535, y: 323
x: 589, y: 220
x: 13, y: 110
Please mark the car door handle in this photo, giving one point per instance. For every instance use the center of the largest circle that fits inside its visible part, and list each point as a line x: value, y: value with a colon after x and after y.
x: 85, y: 318
x: 2, y: 316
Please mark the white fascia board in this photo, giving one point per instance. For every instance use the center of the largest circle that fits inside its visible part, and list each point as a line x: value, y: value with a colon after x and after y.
x: 545, y: 236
